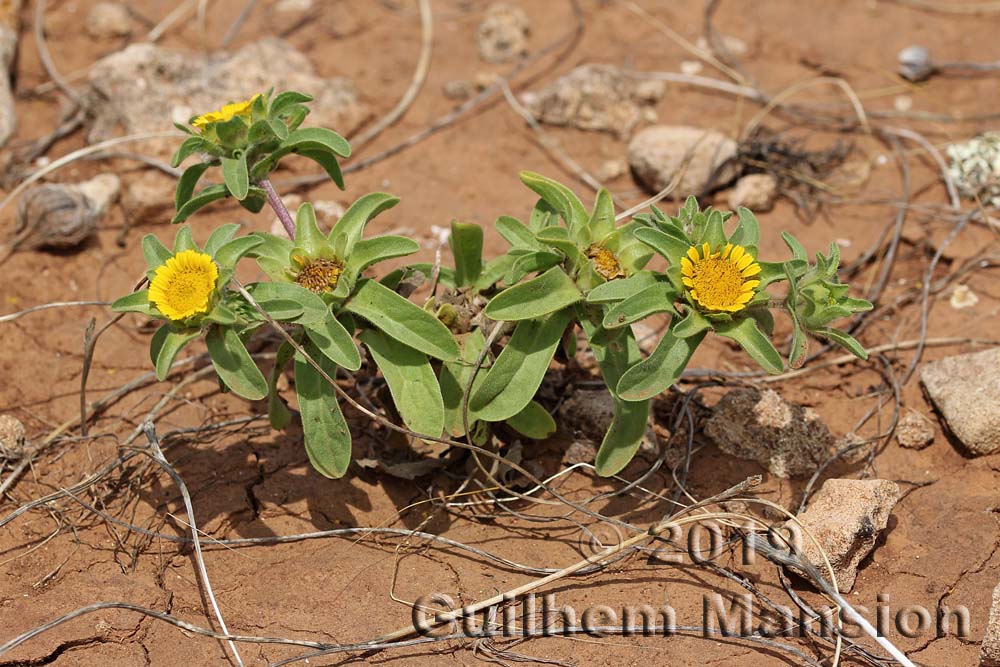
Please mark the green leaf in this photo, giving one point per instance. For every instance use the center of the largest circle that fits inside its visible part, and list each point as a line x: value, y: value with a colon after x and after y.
x: 380, y: 248
x: 220, y: 236
x: 715, y: 233
x: 204, y: 197
x: 798, y: 250
x: 262, y: 133
x: 533, y: 421
x: 278, y: 129
x: 517, y: 234
x: 514, y: 378
x: 351, y: 225
x: 661, y: 369
x: 494, y: 272
x: 155, y: 253
x: 234, y: 365
x: 623, y: 288
x: 318, y: 139
x: 628, y: 425
x: 277, y: 412
x: 184, y: 240
x: 542, y: 216
x: 273, y: 255
x: 327, y: 161
x: 412, y: 383
x: 746, y: 332
x: 402, y: 320
x: 136, y: 302
x: 654, y: 299
x: 283, y: 310
x: 333, y: 340
x: 283, y: 101
x: 166, y: 344
x: 455, y: 377
x: 602, y: 221
x: 800, y: 342
x: 560, y: 198
x: 327, y: 437
x: 189, y: 147
x: 747, y: 233
x: 665, y: 244
x: 548, y: 293
x: 466, y: 243
x: 255, y: 200
x: 692, y: 324
x: 845, y: 340
x: 232, y: 133
x: 187, y: 182
x: 310, y: 305
x: 232, y: 251
x: 236, y: 177
x: 530, y: 262
x: 308, y: 236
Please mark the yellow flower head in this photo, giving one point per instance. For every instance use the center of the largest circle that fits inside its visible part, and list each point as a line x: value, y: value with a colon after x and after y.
x: 227, y: 112
x: 721, y: 281
x: 605, y: 262
x: 183, y: 285
x: 318, y: 275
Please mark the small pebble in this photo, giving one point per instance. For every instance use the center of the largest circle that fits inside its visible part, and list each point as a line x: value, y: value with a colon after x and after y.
x: 963, y: 297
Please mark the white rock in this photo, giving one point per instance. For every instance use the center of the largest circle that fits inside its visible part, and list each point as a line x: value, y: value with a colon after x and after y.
x: 595, y: 97
x: 502, y: 35
x: 846, y: 517
x: 149, y: 197
x: 963, y: 297
x: 657, y: 153
x: 756, y: 192
x: 108, y: 19
x: 914, y: 431
x: 965, y: 389
x: 294, y: 6
x: 612, y: 169
x: 12, y: 438
x: 786, y: 438
x: 9, y: 29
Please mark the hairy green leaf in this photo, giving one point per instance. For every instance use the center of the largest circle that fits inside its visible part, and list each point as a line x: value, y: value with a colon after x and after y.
x: 402, y: 320
x: 412, y: 383
x: 519, y: 369
x: 327, y: 437
x: 548, y: 293
x: 233, y: 363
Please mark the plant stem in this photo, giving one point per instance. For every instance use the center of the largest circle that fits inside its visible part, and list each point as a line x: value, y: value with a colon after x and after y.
x: 275, y: 201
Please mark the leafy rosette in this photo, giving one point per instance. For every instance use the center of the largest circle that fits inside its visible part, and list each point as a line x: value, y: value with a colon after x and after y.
x: 574, y: 252
x: 189, y: 289
x: 247, y: 140
x: 317, y: 287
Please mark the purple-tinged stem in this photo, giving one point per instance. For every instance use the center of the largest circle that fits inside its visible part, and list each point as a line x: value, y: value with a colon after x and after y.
x: 275, y: 201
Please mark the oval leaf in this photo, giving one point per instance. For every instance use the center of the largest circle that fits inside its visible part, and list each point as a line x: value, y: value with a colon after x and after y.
x: 234, y: 365
x: 402, y: 320
x: 327, y: 437
x: 412, y: 383
x: 660, y: 370
x: 548, y: 293
x: 514, y: 378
